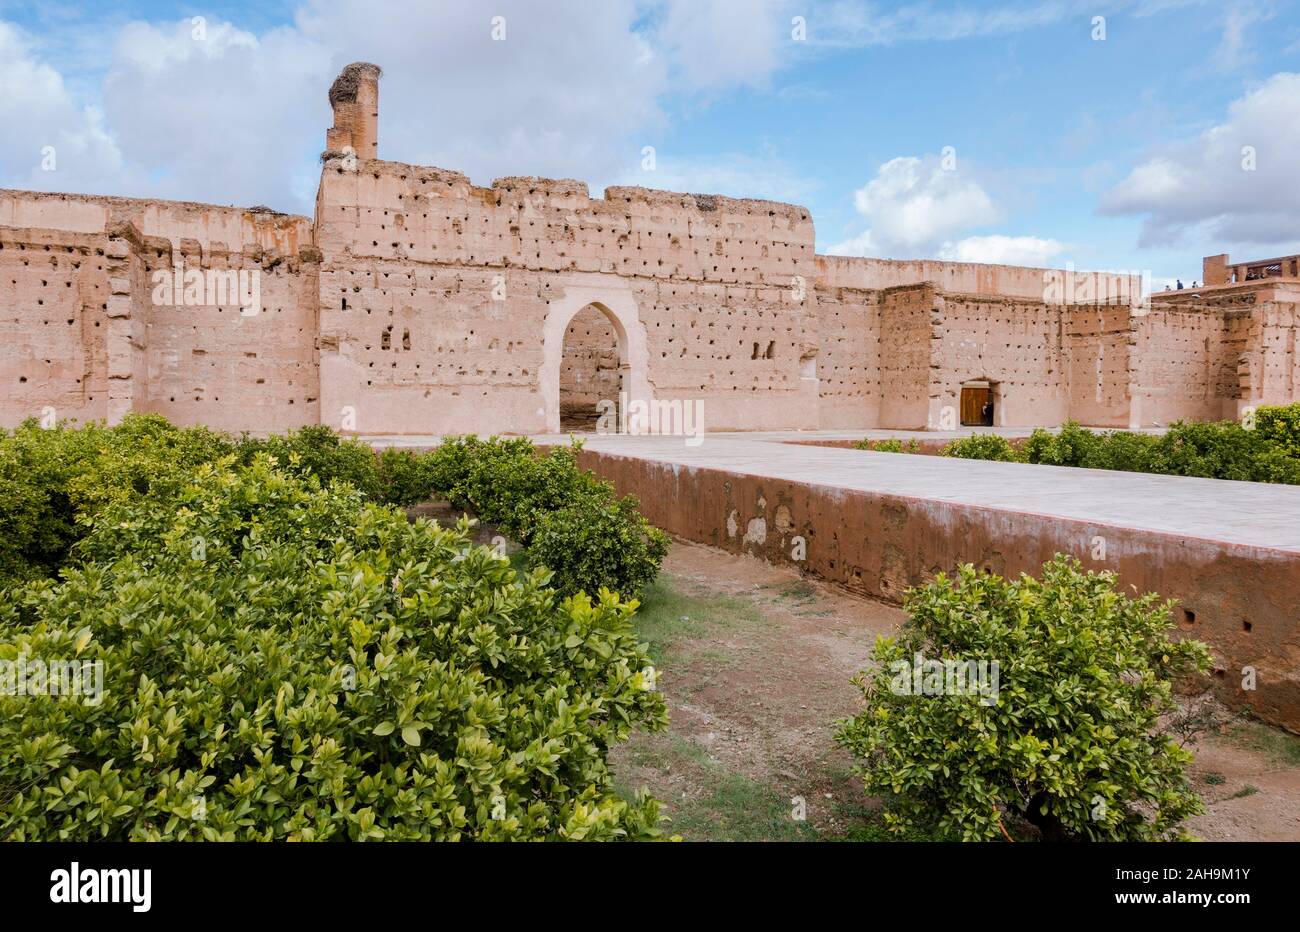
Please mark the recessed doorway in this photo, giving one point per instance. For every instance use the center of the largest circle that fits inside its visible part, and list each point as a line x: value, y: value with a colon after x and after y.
x: 978, y: 403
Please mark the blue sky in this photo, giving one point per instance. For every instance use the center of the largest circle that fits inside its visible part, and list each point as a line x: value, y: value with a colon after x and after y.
x: 994, y: 131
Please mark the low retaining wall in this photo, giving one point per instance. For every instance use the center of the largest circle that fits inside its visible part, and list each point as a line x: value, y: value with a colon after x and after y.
x: 1243, y: 601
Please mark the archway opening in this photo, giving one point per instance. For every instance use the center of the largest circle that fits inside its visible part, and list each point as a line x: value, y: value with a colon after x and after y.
x: 591, y: 370
x: 978, y: 403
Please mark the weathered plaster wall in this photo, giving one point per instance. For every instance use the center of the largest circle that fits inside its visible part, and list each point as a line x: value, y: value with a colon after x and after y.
x: 848, y: 362
x: 1274, y: 367
x: 1013, y: 343
x: 1008, y: 281
x: 1183, y: 368
x: 910, y: 318
x: 54, y: 298
x: 1098, y: 364
x: 471, y: 278
x: 90, y: 340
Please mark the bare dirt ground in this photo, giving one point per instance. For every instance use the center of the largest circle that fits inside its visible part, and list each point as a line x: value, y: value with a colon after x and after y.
x: 756, y: 663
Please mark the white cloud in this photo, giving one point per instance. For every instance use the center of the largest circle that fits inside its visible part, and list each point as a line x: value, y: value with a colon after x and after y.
x: 724, y: 42
x: 913, y: 205
x: 1241, y: 19
x: 917, y: 208
x: 572, y: 91
x: 226, y: 117
x: 37, y: 112
x: 1201, y: 186
x: 1003, y: 250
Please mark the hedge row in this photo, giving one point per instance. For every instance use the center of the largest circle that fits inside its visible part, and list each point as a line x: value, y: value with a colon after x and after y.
x: 283, y: 659
x: 53, y: 481
x: 1265, y: 450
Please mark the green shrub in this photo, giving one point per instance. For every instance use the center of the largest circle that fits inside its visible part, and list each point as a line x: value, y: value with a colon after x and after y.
x: 982, y: 447
x: 405, y: 477
x: 1125, y: 451
x: 1071, y: 446
x: 1069, y: 740
x: 599, y: 540
x: 565, y: 517
x: 286, y: 662
x: 499, y: 478
x: 318, y: 451
x: 50, y: 480
x: 1224, y: 450
x: 1279, y: 426
x: 888, y: 445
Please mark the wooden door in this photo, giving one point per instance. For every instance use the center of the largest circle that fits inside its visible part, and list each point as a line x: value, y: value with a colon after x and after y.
x: 973, y: 400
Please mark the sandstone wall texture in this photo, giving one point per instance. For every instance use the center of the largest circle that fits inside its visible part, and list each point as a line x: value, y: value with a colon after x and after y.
x: 87, y: 336
x: 415, y: 302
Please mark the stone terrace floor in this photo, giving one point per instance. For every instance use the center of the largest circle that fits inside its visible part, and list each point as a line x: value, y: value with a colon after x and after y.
x: 1244, y: 513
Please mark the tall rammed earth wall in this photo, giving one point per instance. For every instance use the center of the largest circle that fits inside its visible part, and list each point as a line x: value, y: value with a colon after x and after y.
x: 443, y: 306
x: 87, y: 334
x: 419, y: 303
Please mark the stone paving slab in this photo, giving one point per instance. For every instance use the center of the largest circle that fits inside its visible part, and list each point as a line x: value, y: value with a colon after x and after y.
x: 1247, y: 513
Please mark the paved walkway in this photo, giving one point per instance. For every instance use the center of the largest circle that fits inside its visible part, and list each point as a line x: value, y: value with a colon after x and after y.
x: 1249, y: 513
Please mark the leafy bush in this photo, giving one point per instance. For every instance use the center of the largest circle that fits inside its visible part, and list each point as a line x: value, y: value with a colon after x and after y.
x: 405, y: 477
x: 595, y: 540
x: 282, y: 661
x: 565, y: 517
x: 51, y: 480
x: 1279, y: 426
x: 982, y: 447
x: 1073, y: 445
x: 1125, y: 451
x: 1224, y: 450
x: 1270, y: 452
x: 888, y: 445
x: 1070, y: 740
x: 316, y: 450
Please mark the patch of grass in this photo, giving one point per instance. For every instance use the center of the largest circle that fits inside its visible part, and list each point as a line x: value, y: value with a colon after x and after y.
x: 1245, y: 791
x: 1214, y: 779
x: 873, y: 829
x: 1280, y: 746
x: 800, y: 593
x: 669, y: 617
x: 737, y: 808
x: 730, y: 806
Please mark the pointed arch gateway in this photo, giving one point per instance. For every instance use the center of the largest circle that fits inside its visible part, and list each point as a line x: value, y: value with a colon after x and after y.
x: 607, y: 353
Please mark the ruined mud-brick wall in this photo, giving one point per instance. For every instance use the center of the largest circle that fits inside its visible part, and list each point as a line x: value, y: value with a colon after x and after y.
x: 1257, y: 359
x: 1098, y: 364
x: 589, y: 367
x: 124, y: 351
x: 1273, y: 365
x: 435, y: 295
x: 1049, y: 361
x: 1006, y: 281
x: 1014, y: 343
x: 848, y: 358
x: 222, y: 365
x: 908, y: 320
x: 54, y: 292
x: 1183, y: 369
